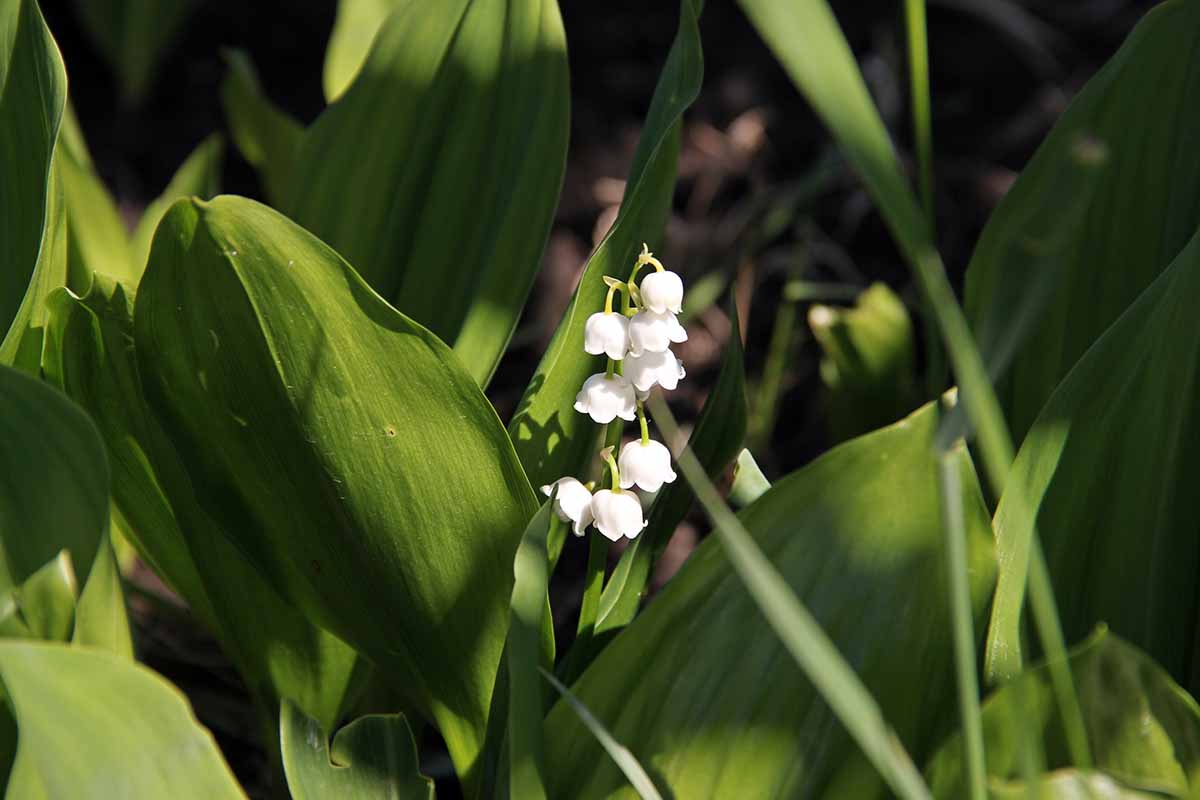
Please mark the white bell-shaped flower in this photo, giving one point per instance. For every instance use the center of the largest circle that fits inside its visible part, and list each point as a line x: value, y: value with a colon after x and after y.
x: 649, y: 369
x: 653, y: 332
x: 646, y: 465
x: 617, y: 514
x: 603, y: 398
x: 662, y: 291
x: 606, y: 333
x: 573, y: 503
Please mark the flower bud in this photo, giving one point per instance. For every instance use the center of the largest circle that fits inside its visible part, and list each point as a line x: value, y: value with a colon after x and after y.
x: 608, y: 334
x: 573, y: 503
x: 662, y: 292
x: 617, y: 514
x: 604, y: 398
x: 648, y: 369
x: 646, y: 465
x: 653, y: 332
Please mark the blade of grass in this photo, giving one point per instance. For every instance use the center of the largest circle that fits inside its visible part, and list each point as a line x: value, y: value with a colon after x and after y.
x: 954, y: 527
x: 531, y: 574
x: 620, y: 755
x: 810, y: 45
x: 799, y: 631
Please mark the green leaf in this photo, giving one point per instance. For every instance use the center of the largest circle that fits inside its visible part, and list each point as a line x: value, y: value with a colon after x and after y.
x: 717, y: 436
x: 199, y: 175
x: 33, y: 94
x: 353, y: 31
x: 341, y: 447
x: 437, y: 172
x: 133, y: 35
x: 54, y: 497
x: 1069, y: 784
x: 94, y: 725
x: 531, y: 576
x: 278, y: 650
x: 1108, y: 241
x: 1144, y: 730
x: 265, y: 136
x: 868, y: 361
x: 694, y: 685
x: 96, y: 237
x: 372, y: 758
x: 43, y: 607
x: 1110, y: 454
x: 552, y: 438
x: 749, y: 483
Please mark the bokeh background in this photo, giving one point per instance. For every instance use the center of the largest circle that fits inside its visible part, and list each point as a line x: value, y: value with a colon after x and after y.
x: 763, y: 203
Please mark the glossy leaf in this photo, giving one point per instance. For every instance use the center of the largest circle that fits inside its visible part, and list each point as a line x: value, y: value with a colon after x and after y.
x: 265, y: 136
x: 33, y: 94
x: 54, y: 497
x: 134, y: 36
x: 341, y: 447
x: 1144, y: 730
x: 717, y: 436
x: 94, y: 725
x: 868, y: 361
x: 437, y: 172
x: 1139, y: 117
x: 552, y: 438
x: 279, y: 652
x: 199, y: 176
x: 703, y: 692
x: 373, y: 758
x: 1104, y: 475
x: 353, y: 31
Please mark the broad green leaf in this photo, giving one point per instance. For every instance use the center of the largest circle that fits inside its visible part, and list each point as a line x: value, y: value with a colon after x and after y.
x: 43, y: 607
x: 868, y: 361
x: 718, y: 434
x: 199, y: 175
x: 1105, y: 474
x: 54, y: 497
x: 94, y: 725
x: 133, y: 35
x: 33, y: 94
x: 1139, y: 117
x: 531, y: 577
x: 265, y: 136
x: 341, y: 447
x: 552, y: 438
x: 704, y: 693
x: 373, y: 758
x: 1144, y: 730
x: 437, y: 172
x: 96, y: 236
x: 278, y: 650
x: 353, y: 31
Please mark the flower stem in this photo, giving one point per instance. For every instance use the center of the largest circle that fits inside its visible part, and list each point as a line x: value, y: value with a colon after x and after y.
x: 608, y: 371
x: 641, y: 412
x: 614, y: 473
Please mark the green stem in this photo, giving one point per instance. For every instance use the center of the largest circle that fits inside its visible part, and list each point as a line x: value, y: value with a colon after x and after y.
x: 641, y: 412
x: 608, y: 370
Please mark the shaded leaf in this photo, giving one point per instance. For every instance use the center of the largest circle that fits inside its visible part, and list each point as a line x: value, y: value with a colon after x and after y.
x: 1109, y: 235
x: 353, y: 31
x: 341, y: 447
x: 96, y: 237
x: 445, y: 223
x: 1144, y: 730
x: 265, y: 136
x: 552, y: 438
x: 134, y: 35
x: 33, y: 94
x: 868, y: 361
x: 278, y: 650
x: 372, y: 757
x: 94, y: 725
x: 1105, y: 474
x: 704, y: 693
x: 43, y: 607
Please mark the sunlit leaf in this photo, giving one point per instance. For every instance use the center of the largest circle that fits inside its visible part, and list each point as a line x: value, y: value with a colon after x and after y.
x: 341, y: 447
x: 703, y: 692
x: 353, y: 31
x: 437, y: 172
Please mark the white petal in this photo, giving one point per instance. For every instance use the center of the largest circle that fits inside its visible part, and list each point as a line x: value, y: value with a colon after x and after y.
x: 653, y: 332
x: 617, y: 514
x: 662, y: 291
x: 603, y: 398
x: 607, y: 334
x: 647, y: 466
x: 649, y: 369
x: 573, y: 501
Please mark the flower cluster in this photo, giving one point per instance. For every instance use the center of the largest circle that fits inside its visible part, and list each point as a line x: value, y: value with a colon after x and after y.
x: 637, y: 341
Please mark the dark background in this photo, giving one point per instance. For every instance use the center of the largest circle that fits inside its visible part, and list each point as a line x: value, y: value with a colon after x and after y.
x: 1001, y: 72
